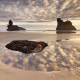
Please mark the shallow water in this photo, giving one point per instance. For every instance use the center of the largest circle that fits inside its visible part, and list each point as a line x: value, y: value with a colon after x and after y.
x: 62, y: 52
x: 59, y: 55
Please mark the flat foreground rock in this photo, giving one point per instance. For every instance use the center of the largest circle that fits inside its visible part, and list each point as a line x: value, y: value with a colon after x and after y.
x: 26, y: 46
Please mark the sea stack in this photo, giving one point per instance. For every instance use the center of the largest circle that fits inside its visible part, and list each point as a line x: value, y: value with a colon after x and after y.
x: 67, y: 25
x: 12, y: 27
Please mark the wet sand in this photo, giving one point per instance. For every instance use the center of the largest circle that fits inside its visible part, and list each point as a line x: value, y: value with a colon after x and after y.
x: 9, y: 73
x: 9, y: 36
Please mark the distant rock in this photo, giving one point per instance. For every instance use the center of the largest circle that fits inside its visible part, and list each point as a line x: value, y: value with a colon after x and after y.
x: 12, y: 27
x: 67, y: 25
x: 26, y: 46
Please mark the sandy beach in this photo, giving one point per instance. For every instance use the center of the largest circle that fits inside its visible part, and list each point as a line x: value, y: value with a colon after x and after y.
x: 9, y: 36
x: 9, y: 73
x: 22, y: 72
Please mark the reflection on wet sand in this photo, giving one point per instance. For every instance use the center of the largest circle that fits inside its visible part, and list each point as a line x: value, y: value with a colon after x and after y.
x: 65, y: 31
x: 61, y: 40
x: 57, y: 56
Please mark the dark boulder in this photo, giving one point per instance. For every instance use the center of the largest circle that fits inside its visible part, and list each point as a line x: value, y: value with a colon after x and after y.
x: 26, y: 46
x: 12, y: 27
x: 67, y: 25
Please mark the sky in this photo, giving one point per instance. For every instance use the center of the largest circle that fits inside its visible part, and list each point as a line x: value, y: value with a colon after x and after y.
x: 39, y: 10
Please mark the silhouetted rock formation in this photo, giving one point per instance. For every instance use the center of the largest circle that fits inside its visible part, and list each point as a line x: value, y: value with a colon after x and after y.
x: 67, y: 25
x: 12, y: 27
x: 26, y: 46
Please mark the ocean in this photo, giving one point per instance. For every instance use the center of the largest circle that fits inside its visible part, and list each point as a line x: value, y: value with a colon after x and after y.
x: 32, y: 27
x: 51, y: 29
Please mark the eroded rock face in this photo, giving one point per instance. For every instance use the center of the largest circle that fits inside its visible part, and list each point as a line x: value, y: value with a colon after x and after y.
x: 26, y: 46
x: 67, y: 25
x: 12, y: 27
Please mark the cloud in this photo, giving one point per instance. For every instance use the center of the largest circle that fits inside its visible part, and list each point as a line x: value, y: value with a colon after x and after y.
x: 39, y: 9
x: 44, y: 3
